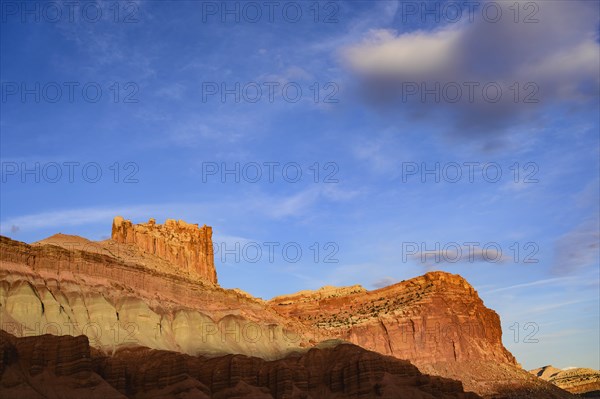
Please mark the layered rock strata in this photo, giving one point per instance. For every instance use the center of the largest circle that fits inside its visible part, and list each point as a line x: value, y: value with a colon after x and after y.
x: 141, y: 289
x: 185, y: 246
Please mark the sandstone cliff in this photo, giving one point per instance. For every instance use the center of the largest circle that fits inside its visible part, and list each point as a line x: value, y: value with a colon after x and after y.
x: 432, y: 318
x: 126, y: 293
x: 186, y: 246
x: 437, y: 321
x: 115, y: 302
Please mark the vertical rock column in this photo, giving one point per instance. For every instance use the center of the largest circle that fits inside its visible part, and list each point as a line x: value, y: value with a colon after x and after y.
x: 188, y: 247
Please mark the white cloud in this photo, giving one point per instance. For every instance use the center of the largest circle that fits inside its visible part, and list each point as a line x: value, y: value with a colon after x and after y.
x: 555, y: 60
x: 384, y: 52
x: 59, y: 218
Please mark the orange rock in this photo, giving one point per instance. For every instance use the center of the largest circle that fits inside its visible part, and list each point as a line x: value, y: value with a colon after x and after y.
x: 437, y: 317
x: 185, y: 245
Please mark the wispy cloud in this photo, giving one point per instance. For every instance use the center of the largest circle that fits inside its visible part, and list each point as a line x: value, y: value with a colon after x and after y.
x: 71, y: 217
x: 578, y: 248
x: 280, y: 206
x: 302, y: 202
x: 459, y: 254
x: 537, y: 283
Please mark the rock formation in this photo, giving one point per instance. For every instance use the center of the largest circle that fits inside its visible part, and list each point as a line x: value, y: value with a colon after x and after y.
x: 117, y: 301
x: 184, y: 245
x: 437, y: 321
x: 433, y: 318
x: 575, y: 380
x: 338, y: 371
x: 143, y: 289
x: 50, y: 367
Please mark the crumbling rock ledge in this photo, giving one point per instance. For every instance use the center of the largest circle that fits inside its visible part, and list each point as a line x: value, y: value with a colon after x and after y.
x: 187, y: 246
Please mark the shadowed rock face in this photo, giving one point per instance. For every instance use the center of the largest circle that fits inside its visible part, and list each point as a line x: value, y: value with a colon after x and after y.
x: 49, y: 367
x: 184, y: 245
x: 342, y: 371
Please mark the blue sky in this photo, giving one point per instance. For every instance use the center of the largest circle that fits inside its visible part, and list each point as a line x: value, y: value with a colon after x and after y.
x: 164, y: 130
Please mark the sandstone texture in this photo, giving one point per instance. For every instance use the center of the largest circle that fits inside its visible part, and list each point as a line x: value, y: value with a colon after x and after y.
x: 576, y: 380
x: 50, y: 367
x: 186, y: 246
x: 150, y: 287
x: 72, y: 370
x: 433, y: 318
x: 116, y: 302
x: 437, y: 321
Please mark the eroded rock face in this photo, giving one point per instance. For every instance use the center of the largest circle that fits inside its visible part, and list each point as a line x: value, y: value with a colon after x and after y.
x: 123, y: 294
x: 437, y: 321
x: 437, y: 317
x: 184, y: 245
x: 50, y: 367
x: 339, y: 371
x: 47, y: 289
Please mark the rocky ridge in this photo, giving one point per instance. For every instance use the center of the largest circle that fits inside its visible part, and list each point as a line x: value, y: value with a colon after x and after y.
x: 116, y: 302
x: 575, y: 380
x: 124, y: 293
x: 435, y: 317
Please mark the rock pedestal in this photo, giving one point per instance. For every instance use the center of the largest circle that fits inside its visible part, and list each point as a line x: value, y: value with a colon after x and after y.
x: 187, y: 246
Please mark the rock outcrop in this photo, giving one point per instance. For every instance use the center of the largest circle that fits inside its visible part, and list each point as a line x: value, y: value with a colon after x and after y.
x: 335, y: 372
x: 437, y: 317
x: 186, y: 246
x: 437, y: 321
x: 119, y: 303
x: 125, y: 293
x: 50, y: 367
x: 575, y: 380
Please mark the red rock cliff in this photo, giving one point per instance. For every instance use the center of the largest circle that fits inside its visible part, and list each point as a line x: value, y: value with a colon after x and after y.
x: 432, y: 318
x: 185, y: 245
